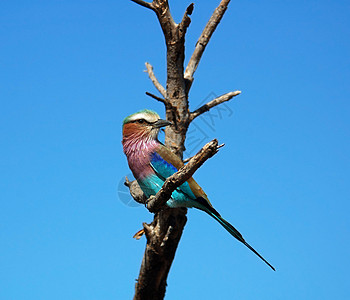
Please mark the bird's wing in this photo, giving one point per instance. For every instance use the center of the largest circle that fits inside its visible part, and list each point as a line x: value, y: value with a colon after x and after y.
x: 165, y: 163
x: 164, y: 168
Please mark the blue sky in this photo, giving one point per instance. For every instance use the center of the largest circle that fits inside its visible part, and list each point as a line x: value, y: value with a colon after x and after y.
x: 72, y: 70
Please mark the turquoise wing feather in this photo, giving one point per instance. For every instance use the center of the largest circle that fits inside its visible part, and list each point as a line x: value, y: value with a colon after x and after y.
x: 183, y: 195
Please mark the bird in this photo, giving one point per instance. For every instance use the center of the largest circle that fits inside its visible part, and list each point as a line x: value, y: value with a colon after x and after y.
x: 152, y: 163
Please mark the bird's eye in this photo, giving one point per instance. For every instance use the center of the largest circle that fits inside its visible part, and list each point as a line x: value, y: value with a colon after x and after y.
x: 141, y: 121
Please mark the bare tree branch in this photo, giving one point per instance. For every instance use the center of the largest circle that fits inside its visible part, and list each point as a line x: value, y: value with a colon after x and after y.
x: 185, y: 161
x: 156, y: 97
x: 204, y: 40
x: 161, y: 8
x: 163, y: 236
x: 206, y: 107
x: 186, y: 20
x: 155, y: 203
x: 155, y: 81
x: 164, y: 233
x: 144, y: 4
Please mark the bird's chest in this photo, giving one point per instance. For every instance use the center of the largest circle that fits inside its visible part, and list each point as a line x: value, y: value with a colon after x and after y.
x: 140, y: 164
x: 139, y: 157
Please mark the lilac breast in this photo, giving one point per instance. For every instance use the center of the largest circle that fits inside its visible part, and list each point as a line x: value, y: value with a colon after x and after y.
x: 138, y: 154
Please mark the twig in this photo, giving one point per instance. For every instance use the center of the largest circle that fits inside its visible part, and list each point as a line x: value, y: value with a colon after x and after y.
x: 206, y: 107
x: 155, y: 81
x: 155, y: 203
x: 220, y: 146
x: 144, y: 4
x: 156, y: 97
x: 204, y: 40
x: 185, y: 161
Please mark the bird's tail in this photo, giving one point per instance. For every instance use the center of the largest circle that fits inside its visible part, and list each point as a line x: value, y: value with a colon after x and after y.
x: 233, y: 231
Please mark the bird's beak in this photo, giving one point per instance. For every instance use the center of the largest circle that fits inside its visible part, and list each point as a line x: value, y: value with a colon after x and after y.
x: 161, y: 123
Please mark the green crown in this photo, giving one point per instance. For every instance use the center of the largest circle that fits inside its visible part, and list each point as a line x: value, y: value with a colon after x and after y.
x: 144, y: 111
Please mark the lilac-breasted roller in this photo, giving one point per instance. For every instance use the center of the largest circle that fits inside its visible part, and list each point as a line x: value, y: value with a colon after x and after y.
x: 151, y: 163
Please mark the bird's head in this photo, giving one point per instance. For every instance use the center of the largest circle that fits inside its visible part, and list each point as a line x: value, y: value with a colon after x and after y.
x: 144, y: 124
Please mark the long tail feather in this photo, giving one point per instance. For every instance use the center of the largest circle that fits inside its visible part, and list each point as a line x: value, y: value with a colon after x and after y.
x: 233, y: 231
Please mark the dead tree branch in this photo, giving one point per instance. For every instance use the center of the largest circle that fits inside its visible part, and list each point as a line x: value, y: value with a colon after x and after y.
x: 144, y: 4
x: 156, y: 97
x: 185, y: 161
x: 154, y: 80
x: 159, y: 253
x: 204, y: 40
x: 206, y: 107
x: 186, y: 20
x: 164, y: 233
